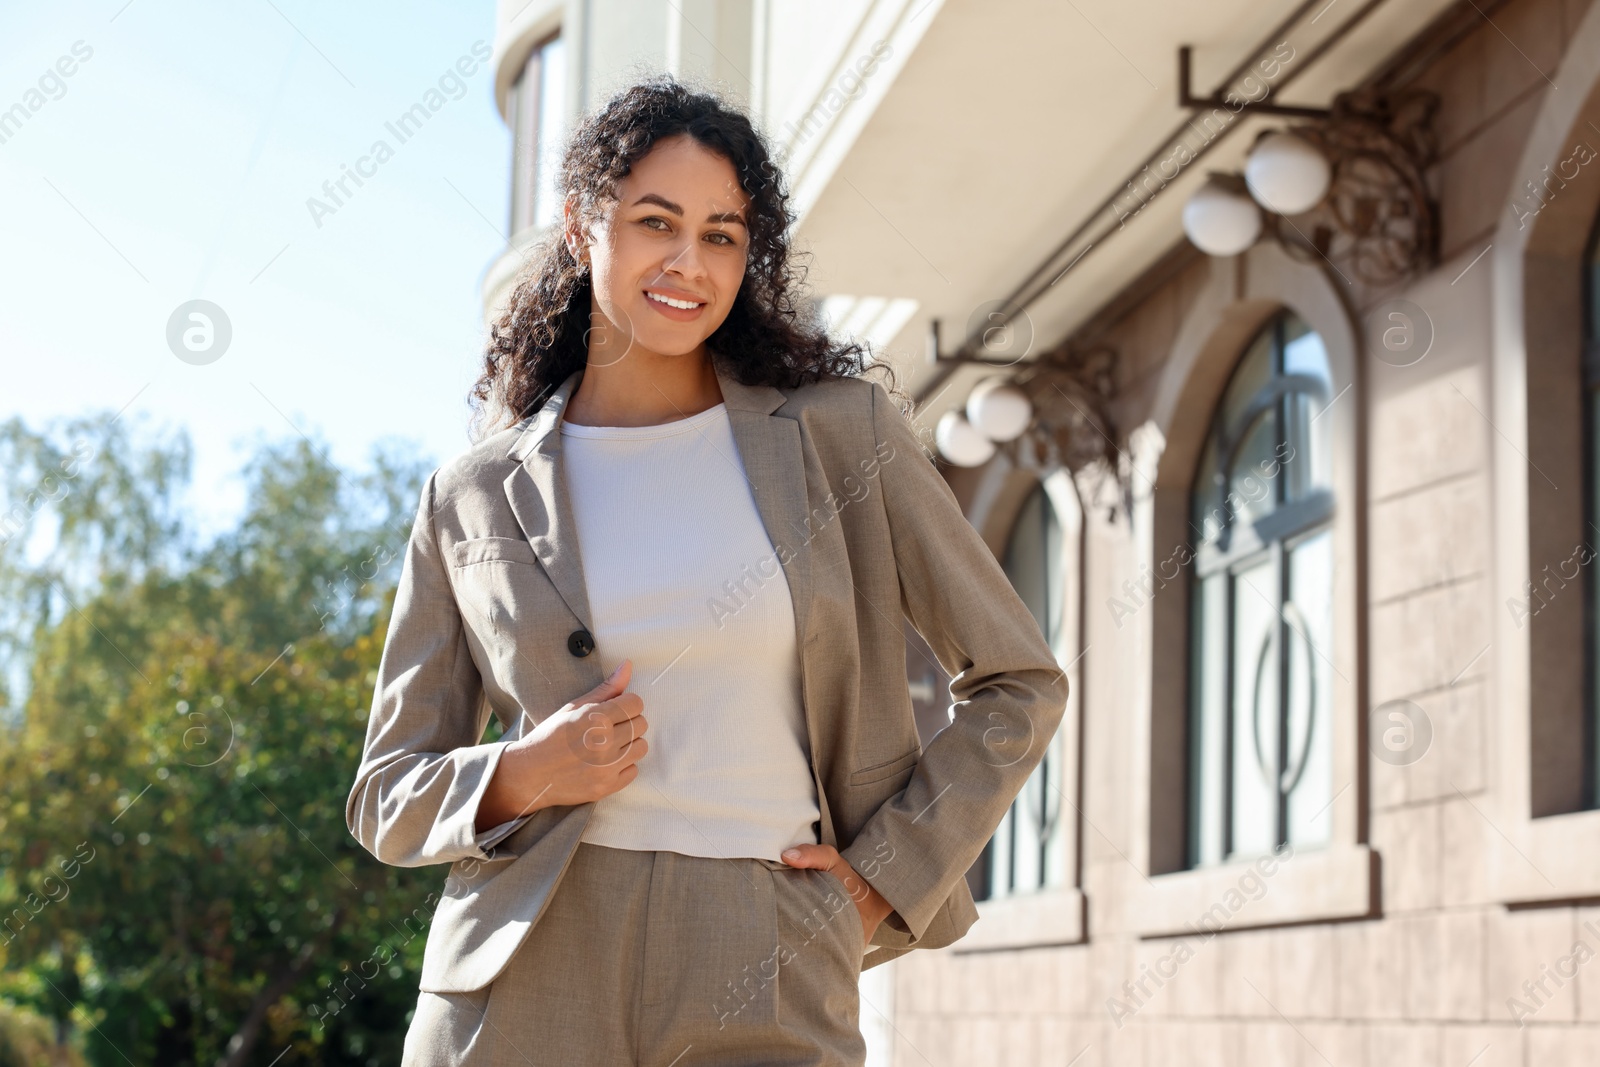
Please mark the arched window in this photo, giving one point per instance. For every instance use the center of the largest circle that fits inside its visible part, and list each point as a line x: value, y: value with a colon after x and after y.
x: 537, y: 114
x: 1261, y: 622
x: 1028, y: 850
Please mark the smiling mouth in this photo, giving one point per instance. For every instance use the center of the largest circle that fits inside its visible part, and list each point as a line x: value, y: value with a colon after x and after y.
x: 671, y: 302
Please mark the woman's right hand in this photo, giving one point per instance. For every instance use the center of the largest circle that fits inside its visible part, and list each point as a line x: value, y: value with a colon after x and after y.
x: 587, y: 749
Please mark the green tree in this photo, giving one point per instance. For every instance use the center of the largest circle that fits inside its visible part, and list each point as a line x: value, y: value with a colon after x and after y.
x: 178, y: 883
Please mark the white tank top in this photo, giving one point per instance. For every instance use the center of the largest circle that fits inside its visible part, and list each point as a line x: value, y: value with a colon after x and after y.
x: 682, y: 578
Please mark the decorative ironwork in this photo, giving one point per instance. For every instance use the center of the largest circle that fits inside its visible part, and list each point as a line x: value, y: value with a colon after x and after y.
x: 1379, y: 219
x: 1072, y: 388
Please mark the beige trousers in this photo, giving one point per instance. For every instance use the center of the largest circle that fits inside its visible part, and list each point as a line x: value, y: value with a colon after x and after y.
x: 659, y: 959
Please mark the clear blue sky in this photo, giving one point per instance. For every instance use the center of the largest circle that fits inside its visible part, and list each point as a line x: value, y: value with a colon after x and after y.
x: 175, y: 163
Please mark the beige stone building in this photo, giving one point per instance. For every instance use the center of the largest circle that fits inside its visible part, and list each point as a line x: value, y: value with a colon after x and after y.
x: 1310, y: 521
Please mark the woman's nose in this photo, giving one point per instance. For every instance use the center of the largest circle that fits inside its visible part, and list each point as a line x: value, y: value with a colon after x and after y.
x: 685, y: 261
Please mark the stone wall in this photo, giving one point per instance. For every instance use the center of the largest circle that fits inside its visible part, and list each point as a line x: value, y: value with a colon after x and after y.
x: 1428, y: 977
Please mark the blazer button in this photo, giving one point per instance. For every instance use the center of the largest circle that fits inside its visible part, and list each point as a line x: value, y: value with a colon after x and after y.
x: 580, y: 643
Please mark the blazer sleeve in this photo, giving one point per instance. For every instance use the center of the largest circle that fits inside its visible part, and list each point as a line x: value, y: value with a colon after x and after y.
x: 423, y: 772
x: 1009, y: 690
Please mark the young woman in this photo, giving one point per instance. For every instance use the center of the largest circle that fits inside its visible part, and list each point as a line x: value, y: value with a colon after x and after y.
x: 675, y: 570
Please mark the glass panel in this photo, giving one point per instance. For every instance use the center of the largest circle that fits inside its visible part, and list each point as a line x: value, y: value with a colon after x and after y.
x: 1255, y: 370
x: 524, y: 117
x: 1027, y: 814
x: 1255, y: 710
x: 1219, y: 502
x: 1000, y: 855
x: 1027, y: 563
x: 1056, y: 810
x: 1311, y: 689
x: 1303, y: 351
x: 1055, y: 585
x: 1027, y: 852
x: 1252, y: 491
x: 1206, y: 515
x: 1033, y: 562
x: 1208, y: 718
x: 537, y: 113
x: 552, y: 130
x: 1307, y: 463
x: 1260, y: 696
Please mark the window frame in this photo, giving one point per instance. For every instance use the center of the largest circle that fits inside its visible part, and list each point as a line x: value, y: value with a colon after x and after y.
x: 1287, y: 525
x: 1536, y: 306
x: 1051, y: 914
x: 1053, y: 632
x: 522, y: 211
x: 1337, y: 880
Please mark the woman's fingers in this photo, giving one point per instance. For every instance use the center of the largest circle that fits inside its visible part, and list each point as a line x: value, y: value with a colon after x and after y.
x: 612, y: 700
x: 633, y: 753
x: 592, y: 747
x: 615, y: 684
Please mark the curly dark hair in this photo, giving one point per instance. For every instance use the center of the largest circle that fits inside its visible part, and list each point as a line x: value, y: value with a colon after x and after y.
x: 542, y: 335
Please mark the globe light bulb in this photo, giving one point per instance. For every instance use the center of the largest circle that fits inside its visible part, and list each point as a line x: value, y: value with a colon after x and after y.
x: 998, y: 409
x: 960, y: 442
x: 1220, y: 218
x: 1287, y: 174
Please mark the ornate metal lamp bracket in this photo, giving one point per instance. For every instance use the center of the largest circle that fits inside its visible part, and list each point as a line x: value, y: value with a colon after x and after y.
x: 1379, y: 219
x: 1073, y: 388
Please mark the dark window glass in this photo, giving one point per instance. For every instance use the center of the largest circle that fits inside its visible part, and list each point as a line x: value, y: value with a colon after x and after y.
x: 1261, y: 609
x: 1027, y: 852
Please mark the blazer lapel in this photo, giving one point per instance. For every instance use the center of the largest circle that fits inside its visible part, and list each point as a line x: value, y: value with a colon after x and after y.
x: 774, y: 466
x: 538, y: 496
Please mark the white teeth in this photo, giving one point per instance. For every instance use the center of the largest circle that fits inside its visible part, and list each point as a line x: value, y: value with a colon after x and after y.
x: 667, y: 300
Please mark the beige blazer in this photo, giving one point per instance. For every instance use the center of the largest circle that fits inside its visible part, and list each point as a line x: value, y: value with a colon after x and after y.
x: 491, y: 618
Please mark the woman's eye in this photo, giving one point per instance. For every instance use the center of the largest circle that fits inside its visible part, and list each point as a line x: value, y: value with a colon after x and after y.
x: 654, y: 218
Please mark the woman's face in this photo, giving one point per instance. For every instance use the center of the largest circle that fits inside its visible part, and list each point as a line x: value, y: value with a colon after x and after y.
x: 678, y: 232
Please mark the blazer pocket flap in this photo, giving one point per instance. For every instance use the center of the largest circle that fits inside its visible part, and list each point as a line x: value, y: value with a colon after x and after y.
x: 880, y: 771
x: 484, y: 549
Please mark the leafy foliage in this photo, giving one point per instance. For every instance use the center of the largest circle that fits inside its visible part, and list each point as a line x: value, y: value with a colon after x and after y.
x: 177, y: 883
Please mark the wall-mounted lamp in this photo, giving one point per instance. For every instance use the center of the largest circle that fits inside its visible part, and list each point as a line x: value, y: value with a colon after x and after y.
x: 1358, y: 174
x: 1046, y: 412
x: 1285, y: 174
x: 996, y: 411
